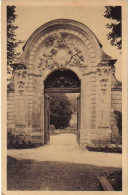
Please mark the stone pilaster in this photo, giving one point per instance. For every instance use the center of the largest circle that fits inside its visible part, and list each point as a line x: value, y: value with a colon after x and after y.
x: 87, y: 107
x: 103, y: 103
x: 36, y: 136
x: 21, y: 104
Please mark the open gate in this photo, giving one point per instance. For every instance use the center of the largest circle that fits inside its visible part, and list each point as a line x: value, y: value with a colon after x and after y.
x: 78, y: 119
x: 60, y: 81
x: 46, y: 119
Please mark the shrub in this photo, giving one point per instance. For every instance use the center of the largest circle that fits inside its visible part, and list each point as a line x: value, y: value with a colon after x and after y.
x: 118, y: 117
x: 17, y: 141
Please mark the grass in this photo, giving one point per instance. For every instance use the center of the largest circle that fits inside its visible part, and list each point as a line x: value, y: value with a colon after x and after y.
x: 24, y: 175
x: 116, y: 180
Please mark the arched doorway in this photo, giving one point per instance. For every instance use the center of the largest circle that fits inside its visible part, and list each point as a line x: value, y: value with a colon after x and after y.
x: 64, y: 45
x: 62, y: 82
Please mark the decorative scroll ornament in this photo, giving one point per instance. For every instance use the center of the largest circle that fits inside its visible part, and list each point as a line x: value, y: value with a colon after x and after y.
x: 21, y: 77
x: 62, y: 79
x: 61, y: 51
x: 103, y: 72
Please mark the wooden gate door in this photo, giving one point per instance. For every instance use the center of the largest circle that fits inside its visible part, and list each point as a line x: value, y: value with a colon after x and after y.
x: 46, y: 119
x: 78, y: 119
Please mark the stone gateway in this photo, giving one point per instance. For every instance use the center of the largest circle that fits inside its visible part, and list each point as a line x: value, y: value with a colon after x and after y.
x: 64, y: 56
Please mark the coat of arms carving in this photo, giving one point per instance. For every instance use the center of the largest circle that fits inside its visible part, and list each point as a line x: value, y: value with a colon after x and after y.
x: 61, y: 52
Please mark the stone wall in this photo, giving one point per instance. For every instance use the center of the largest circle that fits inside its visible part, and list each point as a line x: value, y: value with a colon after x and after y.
x: 97, y: 127
x: 10, y: 110
x: 116, y: 105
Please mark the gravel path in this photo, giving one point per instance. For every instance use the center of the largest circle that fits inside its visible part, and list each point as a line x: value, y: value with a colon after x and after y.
x: 61, y: 165
x: 63, y: 148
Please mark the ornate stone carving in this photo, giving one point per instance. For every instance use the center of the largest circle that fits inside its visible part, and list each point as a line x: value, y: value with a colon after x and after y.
x: 21, y: 85
x: 62, y: 79
x: 21, y: 76
x: 61, y: 52
x: 104, y: 71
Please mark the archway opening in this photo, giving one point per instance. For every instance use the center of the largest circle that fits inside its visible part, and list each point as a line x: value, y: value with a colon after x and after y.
x: 62, y: 104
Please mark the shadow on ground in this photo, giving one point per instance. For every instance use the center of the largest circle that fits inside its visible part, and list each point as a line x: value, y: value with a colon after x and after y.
x: 30, y: 175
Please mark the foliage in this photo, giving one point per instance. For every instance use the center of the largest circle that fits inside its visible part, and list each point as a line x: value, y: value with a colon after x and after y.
x: 118, y: 116
x: 18, y: 141
x: 60, y: 110
x: 114, y: 13
x: 105, y: 149
x: 12, y: 43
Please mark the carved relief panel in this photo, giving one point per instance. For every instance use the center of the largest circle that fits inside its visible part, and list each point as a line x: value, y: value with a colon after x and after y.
x: 21, y: 99
x: 104, y: 75
x: 62, y: 50
x: 20, y: 81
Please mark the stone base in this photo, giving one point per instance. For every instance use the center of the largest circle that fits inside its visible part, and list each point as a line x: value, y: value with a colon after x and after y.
x: 23, y: 135
x: 95, y: 137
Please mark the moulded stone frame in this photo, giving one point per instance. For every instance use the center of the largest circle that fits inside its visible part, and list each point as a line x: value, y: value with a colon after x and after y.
x: 78, y: 30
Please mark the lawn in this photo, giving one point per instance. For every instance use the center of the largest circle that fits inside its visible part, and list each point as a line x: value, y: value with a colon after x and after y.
x: 29, y: 175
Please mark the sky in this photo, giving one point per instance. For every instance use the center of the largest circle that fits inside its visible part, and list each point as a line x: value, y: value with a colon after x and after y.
x: 32, y: 17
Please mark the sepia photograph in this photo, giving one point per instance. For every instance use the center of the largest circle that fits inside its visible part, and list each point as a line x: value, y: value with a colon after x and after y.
x: 64, y: 93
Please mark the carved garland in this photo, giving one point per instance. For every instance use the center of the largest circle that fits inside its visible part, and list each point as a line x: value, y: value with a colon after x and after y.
x: 21, y: 77
x: 61, y: 52
x: 103, y: 72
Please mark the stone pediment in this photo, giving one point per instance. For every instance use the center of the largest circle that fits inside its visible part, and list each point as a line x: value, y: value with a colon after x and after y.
x: 62, y: 44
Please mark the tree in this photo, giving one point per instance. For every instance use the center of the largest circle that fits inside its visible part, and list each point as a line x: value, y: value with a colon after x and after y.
x: 60, y: 114
x: 12, y: 43
x: 114, y: 14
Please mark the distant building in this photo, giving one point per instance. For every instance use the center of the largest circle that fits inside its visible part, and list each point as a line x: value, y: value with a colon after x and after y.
x: 73, y: 120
